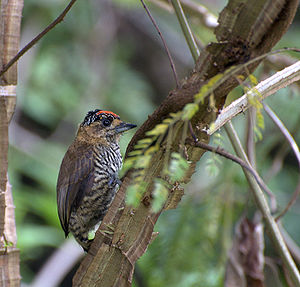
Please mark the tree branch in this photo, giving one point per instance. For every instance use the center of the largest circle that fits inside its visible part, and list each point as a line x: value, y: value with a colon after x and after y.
x: 59, y: 19
x: 261, y: 91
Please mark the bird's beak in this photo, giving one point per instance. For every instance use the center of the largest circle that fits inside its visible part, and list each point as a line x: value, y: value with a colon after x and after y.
x: 124, y: 127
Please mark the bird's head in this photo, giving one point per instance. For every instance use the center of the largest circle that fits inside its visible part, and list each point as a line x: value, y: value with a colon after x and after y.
x: 102, y: 126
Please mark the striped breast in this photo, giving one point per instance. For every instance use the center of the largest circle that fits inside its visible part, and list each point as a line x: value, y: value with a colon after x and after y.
x: 96, y: 201
x: 107, y: 163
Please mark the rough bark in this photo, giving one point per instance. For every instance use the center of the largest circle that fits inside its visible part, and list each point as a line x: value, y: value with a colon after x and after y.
x: 245, y: 30
x: 10, y: 20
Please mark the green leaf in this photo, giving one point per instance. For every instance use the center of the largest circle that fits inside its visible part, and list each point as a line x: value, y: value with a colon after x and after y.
x: 133, y: 196
x: 205, y: 90
x: 135, y: 153
x: 253, y: 80
x: 212, y: 165
x: 92, y: 234
x: 135, y: 191
x: 143, y: 161
x: 145, y: 141
x: 176, y: 115
x: 189, y: 111
x: 128, y: 164
x: 257, y: 134
x: 151, y: 150
x: 260, y: 120
x: 178, y: 167
x: 160, y: 195
x: 158, y: 130
x: 168, y: 121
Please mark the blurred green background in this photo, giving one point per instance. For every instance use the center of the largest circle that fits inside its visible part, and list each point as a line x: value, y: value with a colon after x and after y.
x: 107, y: 55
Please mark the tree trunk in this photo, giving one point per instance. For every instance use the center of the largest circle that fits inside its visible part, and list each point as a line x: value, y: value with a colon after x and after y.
x: 10, y: 21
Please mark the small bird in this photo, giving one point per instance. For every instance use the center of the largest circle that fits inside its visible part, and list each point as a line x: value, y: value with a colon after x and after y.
x: 88, y: 178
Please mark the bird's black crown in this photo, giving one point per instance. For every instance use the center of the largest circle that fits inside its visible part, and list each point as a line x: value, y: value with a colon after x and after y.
x: 97, y: 115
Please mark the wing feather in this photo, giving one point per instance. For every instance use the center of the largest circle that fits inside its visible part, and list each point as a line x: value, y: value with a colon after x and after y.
x: 74, y: 179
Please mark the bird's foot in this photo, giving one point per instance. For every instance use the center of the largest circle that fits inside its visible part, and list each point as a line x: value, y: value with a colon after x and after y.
x: 114, y: 180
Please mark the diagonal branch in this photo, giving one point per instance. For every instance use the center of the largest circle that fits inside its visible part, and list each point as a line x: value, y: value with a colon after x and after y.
x: 59, y: 19
x: 220, y: 151
x: 261, y: 91
x: 186, y: 29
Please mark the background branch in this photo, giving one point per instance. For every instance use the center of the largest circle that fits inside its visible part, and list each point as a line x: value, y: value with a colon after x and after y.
x: 187, y: 32
x: 164, y: 43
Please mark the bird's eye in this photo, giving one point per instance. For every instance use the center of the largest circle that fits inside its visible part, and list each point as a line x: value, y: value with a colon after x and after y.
x: 106, y: 122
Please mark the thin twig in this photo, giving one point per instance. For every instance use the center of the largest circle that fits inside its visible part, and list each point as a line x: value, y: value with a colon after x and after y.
x: 163, y: 41
x: 290, y: 203
x: 220, y: 151
x: 295, y: 149
x: 284, y: 131
x: 281, y: 154
x: 59, y: 19
x: 291, y: 244
x: 186, y: 29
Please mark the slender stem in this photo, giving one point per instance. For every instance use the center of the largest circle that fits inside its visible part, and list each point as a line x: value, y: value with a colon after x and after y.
x: 284, y: 131
x: 290, y: 203
x: 186, y: 29
x: 264, y: 208
x: 163, y: 41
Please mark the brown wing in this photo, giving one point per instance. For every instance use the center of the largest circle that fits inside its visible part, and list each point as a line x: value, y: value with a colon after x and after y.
x: 74, y: 179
